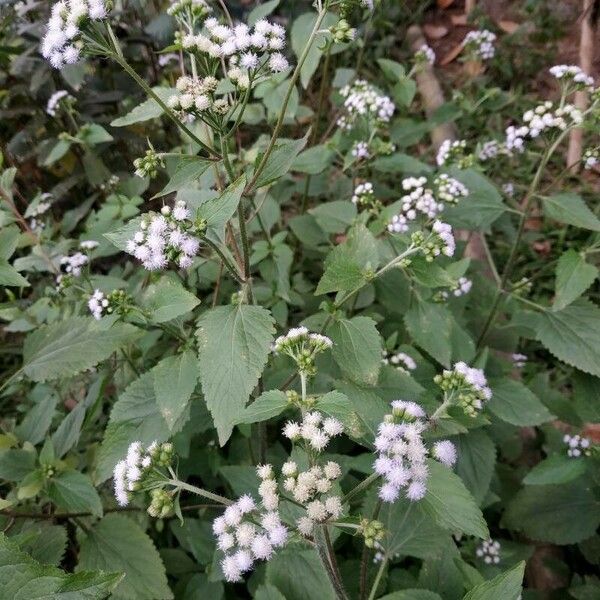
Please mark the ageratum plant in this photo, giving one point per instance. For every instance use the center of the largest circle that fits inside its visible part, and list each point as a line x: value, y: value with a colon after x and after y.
x: 250, y: 350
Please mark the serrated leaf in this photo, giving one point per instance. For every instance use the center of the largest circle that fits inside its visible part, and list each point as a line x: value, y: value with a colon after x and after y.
x: 430, y: 326
x: 44, y: 542
x: 334, y: 216
x: 411, y: 594
x: 71, y: 346
x: 556, y: 469
x: 507, y: 586
x: 280, y: 160
x: 481, y: 207
x: 342, y: 273
x: 118, y: 543
x: 188, y: 170
x: 73, y: 491
x: 36, y: 423
x: 476, y: 459
x: 401, y: 163
x: 573, y: 277
x: 451, y: 505
x: 314, y: 160
x: 559, y: 514
x: 149, y: 109
x: 234, y: 343
x: 516, y: 404
x: 572, y: 335
x: 175, y: 378
x: 121, y: 235
x: 571, y: 209
x: 218, y: 211
x: 357, y: 348
x: 167, y: 300
x: 135, y: 416
x: 23, y: 578
x: 299, y: 574
x: 268, y: 405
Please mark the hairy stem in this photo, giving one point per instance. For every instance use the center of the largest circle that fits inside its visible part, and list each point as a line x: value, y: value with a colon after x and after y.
x: 327, y: 557
x: 378, y: 577
x: 182, y: 485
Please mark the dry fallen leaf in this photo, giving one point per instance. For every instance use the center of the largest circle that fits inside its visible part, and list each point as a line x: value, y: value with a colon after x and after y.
x: 435, y: 32
x: 444, y: 3
x: 508, y: 26
x: 451, y: 55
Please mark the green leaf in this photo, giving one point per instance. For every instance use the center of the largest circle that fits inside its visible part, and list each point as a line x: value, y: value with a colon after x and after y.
x: 9, y: 240
x: 516, y: 404
x: 573, y: 277
x: 188, y: 169
x: 451, y: 505
x: 401, y: 163
x: 506, y: 586
x: 218, y: 211
x: 391, y: 69
x: 430, y: 326
x: 280, y: 160
x: 23, y: 578
x: 556, y: 469
x: 301, y: 29
x: 342, y: 273
x: 174, y: 382
x: 74, y: 492
x: 404, y: 91
x: 412, y: 594
x: 268, y: 592
x: 44, y: 542
x: 92, y: 134
x: 15, y: 464
x: 559, y: 514
x: 60, y: 148
x: 121, y: 235
x: 481, y: 207
x: 135, y: 416
x: 334, y: 216
x: 234, y: 344
x: 36, y: 423
x: 167, y: 300
x: 117, y: 543
x: 9, y: 276
x: 261, y: 11
x: 71, y: 346
x: 313, y: 160
x: 299, y: 575
x: 268, y: 405
x: 572, y: 335
x: 411, y: 531
x: 570, y: 208
x: 357, y: 348
x: 476, y: 459
x: 150, y: 109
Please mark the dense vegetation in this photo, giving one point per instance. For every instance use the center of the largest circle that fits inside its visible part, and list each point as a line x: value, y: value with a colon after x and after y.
x: 277, y: 324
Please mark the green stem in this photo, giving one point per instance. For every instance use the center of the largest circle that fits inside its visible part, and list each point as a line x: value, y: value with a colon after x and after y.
x: 364, y: 485
x: 226, y: 262
x: 508, y: 268
x: 329, y: 564
x: 286, y: 100
x: 182, y: 485
x: 132, y: 73
x: 378, y: 577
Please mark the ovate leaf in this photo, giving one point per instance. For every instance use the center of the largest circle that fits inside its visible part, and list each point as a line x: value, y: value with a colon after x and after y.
x: 555, y: 470
x: 73, y: 491
x: 167, y: 300
x: 117, y: 543
x: 71, y: 346
x: 24, y: 578
x: 357, y: 348
x: 218, y: 211
x: 507, y: 586
x: 559, y: 514
x: 9, y: 276
x: 280, y: 160
x: 516, y: 404
x: 234, y: 343
x: 572, y: 335
x: 430, y: 326
x: 451, y: 505
x: 476, y: 460
x: 573, y: 277
x: 174, y: 382
x: 150, y: 109
x: 188, y: 170
x: 268, y: 405
x: 570, y: 208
